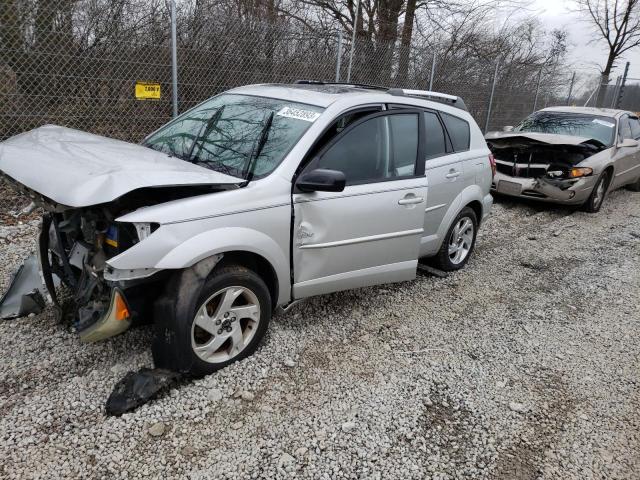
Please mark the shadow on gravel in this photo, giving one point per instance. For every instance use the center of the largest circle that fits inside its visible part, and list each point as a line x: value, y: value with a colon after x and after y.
x: 533, y: 206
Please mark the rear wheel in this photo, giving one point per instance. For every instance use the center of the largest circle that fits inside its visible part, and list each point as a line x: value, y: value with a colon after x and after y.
x: 595, y: 200
x: 459, y: 242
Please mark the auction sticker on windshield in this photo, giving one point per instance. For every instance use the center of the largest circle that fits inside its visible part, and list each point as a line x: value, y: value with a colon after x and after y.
x: 602, y: 122
x: 298, y: 114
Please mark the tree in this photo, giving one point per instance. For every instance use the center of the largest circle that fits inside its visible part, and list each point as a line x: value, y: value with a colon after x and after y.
x: 618, y: 23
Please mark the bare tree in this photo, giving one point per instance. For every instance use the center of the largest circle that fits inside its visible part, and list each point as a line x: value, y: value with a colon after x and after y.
x: 618, y: 23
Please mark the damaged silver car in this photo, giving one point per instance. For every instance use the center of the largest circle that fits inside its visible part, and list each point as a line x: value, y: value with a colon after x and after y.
x: 568, y: 155
x: 252, y: 200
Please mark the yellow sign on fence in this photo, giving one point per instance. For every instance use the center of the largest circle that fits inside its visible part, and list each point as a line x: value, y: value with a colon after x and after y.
x: 147, y: 91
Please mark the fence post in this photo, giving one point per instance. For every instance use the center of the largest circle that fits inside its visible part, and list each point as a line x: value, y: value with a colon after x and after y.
x: 353, y: 40
x: 615, y: 92
x: 573, y: 77
x: 535, y: 100
x: 174, y: 60
x: 433, y: 71
x: 493, y: 89
x: 622, y: 83
x: 339, y: 59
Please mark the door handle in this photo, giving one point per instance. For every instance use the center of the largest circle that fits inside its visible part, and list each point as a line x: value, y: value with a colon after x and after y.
x: 452, y: 174
x: 410, y: 200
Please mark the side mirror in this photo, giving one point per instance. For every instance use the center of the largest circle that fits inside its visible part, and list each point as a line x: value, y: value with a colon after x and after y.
x: 507, y: 128
x: 628, y: 142
x: 321, y: 180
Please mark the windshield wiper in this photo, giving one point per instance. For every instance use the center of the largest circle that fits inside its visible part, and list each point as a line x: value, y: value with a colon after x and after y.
x: 247, y: 172
x: 204, y: 132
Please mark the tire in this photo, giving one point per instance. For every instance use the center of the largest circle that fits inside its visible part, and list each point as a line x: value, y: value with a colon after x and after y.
x: 598, y: 194
x: 221, y: 323
x: 448, y: 260
x: 635, y: 186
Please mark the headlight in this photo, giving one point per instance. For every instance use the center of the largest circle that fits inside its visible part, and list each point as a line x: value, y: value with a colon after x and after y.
x: 577, y: 172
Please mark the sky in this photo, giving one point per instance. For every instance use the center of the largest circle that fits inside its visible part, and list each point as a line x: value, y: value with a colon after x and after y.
x: 587, y: 57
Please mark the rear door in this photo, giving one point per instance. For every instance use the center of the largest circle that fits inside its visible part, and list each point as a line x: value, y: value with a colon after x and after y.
x: 370, y: 232
x: 444, y: 170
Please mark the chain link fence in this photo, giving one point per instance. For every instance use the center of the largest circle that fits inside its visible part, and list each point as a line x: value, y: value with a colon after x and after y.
x: 76, y: 63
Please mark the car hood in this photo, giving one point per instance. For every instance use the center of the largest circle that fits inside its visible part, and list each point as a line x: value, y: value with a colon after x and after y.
x: 525, y: 139
x: 79, y: 169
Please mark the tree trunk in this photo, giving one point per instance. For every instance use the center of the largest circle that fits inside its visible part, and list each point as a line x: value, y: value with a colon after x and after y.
x: 405, y: 43
x: 604, y: 80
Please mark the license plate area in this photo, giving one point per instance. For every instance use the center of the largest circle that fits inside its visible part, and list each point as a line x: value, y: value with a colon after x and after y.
x: 510, y: 188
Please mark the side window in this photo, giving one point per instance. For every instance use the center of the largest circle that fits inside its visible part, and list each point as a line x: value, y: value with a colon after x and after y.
x: 435, y: 145
x: 342, y: 122
x: 381, y: 148
x: 625, y: 128
x: 458, y: 130
x: 635, y: 128
x: 361, y: 154
x: 404, y: 144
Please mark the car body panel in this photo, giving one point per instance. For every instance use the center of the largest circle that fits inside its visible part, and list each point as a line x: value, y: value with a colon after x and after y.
x: 357, y: 230
x: 79, y: 169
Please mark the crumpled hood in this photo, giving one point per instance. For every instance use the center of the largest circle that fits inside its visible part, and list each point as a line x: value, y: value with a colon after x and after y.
x: 79, y: 169
x: 512, y: 139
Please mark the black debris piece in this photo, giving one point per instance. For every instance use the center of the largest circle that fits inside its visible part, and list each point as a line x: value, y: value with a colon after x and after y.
x: 138, y: 388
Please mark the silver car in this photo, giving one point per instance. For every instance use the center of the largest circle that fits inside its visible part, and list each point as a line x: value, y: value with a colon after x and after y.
x: 254, y: 199
x: 568, y: 155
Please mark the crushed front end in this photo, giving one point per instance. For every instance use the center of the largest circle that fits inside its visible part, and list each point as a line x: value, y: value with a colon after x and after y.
x: 542, y: 171
x: 74, y: 245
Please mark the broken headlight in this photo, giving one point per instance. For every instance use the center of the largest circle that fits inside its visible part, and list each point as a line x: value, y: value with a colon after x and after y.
x: 121, y: 236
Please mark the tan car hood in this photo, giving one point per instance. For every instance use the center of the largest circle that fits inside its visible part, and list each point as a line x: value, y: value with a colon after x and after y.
x: 79, y: 169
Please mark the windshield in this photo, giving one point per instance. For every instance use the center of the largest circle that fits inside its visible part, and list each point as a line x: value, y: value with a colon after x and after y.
x: 223, y: 133
x: 594, y: 127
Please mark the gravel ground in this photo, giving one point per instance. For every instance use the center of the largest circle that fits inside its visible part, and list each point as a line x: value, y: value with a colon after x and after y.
x: 524, y: 365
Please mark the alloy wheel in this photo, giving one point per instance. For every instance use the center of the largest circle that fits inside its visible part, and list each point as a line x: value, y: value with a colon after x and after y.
x: 461, y: 240
x: 225, y: 324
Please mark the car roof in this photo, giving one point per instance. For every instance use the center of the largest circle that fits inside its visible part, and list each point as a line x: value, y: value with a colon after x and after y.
x: 321, y: 95
x: 604, y: 112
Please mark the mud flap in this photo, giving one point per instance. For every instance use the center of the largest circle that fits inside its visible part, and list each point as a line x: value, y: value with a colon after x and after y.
x: 169, y: 347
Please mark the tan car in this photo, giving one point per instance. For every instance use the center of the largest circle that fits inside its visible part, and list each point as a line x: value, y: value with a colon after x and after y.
x: 568, y: 155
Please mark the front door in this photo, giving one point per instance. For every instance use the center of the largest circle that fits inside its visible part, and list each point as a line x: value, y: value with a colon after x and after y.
x: 370, y: 232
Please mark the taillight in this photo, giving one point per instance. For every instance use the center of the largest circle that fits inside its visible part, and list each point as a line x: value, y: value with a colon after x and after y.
x: 492, y: 162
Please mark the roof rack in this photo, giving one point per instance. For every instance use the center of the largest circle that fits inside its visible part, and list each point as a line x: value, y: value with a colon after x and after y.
x: 445, y: 98
x: 452, y: 100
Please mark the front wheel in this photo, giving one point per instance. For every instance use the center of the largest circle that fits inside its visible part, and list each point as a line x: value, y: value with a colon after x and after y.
x: 595, y: 200
x: 224, y: 324
x: 459, y: 242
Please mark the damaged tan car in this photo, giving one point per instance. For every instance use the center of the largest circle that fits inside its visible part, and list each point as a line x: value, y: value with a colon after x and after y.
x: 568, y: 155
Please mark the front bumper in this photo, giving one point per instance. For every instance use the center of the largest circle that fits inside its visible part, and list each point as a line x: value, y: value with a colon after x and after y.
x: 114, y: 321
x: 568, y: 192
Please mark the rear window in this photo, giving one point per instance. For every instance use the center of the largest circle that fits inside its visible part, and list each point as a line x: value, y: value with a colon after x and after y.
x: 458, y: 130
